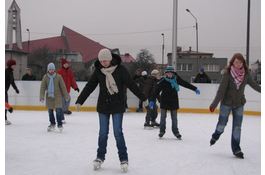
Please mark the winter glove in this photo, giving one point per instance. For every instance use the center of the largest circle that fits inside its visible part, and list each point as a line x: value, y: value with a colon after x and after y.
x: 77, y: 89
x: 10, y: 110
x: 42, y: 101
x: 146, y: 102
x: 151, y: 104
x: 211, y: 109
x: 17, y: 91
x: 197, y: 91
x: 77, y: 107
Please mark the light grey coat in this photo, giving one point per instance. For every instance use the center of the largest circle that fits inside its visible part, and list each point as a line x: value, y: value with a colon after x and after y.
x: 59, y: 88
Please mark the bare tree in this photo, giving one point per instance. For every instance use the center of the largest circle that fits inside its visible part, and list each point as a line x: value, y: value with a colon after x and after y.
x: 144, y: 61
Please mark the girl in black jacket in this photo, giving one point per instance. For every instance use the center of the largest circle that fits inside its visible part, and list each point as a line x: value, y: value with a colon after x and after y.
x: 169, y: 86
x: 111, y: 77
x: 9, y: 80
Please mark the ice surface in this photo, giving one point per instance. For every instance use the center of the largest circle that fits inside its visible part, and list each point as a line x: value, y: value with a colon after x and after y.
x: 31, y: 150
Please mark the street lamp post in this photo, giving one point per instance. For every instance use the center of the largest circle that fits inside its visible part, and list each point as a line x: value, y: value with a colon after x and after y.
x: 28, y: 39
x: 163, y: 47
x: 196, y: 36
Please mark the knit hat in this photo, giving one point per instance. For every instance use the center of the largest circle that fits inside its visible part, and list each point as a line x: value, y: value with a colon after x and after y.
x: 63, y: 61
x: 51, y: 66
x: 154, y: 72
x: 144, y: 73
x: 104, y: 55
x: 29, y: 69
x: 169, y: 69
x: 201, y: 69
x: 11, y: 62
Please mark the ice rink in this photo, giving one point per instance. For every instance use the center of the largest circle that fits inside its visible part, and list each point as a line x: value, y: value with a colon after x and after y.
x: 31, y: 150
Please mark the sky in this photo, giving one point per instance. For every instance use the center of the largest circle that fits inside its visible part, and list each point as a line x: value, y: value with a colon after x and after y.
x: 139, y: 24
x: 30, y: 149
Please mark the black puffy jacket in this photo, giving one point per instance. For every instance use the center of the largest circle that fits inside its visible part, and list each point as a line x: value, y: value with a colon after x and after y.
x: 169, y: 95
x: 107, y: 103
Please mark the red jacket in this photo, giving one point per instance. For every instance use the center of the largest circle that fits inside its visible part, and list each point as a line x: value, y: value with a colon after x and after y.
x: 68, y: 78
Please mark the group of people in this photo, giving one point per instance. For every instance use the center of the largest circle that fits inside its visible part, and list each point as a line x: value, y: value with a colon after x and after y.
x: 111, y: 77
x: 56, y: 84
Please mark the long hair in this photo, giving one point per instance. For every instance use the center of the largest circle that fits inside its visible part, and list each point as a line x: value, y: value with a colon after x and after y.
x: 240, y: 57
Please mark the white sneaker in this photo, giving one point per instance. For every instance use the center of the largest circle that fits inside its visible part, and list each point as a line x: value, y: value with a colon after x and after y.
x: 7, y: 122
x: 97, y: 163
x: 50, y: 128
x: 124, y: 165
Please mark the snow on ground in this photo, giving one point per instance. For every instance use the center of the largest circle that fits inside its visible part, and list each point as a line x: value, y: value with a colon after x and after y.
x: 30, y: 149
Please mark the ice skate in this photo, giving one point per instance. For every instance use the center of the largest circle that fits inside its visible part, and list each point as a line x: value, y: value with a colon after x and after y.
x: 239, y: 155
x: 97, y: 163
x: 124, y: 165
x: 212, y: 142
x: 7, y: 122
x: 60, y: 128
x: 155, y: 124
x: 63, y: 121
x: 160, y: 135
x: 51, y: 128
x: 178, y: 136
x: 147, y: 126
x: 139, y: 110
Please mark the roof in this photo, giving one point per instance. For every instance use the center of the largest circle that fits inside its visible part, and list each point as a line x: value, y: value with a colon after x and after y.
x: 69, y: 41
x: 127, y: 58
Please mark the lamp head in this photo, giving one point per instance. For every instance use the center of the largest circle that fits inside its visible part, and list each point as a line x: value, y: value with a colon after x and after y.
x: 187, y: 10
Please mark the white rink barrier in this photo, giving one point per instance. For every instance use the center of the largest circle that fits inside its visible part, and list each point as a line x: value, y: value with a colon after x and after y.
x: 28, y: 98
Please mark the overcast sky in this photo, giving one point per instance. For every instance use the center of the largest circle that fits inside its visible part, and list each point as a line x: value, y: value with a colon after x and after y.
x: 131, y: 25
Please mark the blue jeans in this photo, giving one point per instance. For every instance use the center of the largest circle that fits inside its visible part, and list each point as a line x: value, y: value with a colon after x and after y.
x: 151, y: 114
x: 174, y: 119
x: 58, y: 116
x: 118, y: 134
x: 237, y: 122
x: 66, y: 105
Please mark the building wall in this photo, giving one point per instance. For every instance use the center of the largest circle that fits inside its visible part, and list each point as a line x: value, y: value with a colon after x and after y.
x: 28, y: 98
x: 191, y: 74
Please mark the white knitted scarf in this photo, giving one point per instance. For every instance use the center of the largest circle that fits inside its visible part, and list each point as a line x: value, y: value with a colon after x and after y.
x: 110, y: 82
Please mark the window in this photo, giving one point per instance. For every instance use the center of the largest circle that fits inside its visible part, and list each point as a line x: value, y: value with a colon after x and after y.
x: 211, y: 67
x: 184, y: 67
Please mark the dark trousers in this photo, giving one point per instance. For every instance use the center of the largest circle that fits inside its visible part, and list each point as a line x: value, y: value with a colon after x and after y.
x: 6, y: 99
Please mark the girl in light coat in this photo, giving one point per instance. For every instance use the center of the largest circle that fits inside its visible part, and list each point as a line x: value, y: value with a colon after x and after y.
x: 53, y: 84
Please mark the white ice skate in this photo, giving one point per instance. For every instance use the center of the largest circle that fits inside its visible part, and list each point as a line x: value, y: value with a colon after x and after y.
x: 60, y: 128
x: 7, y: 122
x: 97, y: 163
x: 51, y: 128
x: 124, y: 165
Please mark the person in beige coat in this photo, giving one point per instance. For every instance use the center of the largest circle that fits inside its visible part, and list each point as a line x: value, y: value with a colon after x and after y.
x: 54, y: 86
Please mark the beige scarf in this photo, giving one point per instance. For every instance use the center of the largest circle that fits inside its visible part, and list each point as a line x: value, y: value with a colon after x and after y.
x: 110, y: 82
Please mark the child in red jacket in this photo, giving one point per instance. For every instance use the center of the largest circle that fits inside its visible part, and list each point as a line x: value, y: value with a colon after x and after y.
x: 69, y: 81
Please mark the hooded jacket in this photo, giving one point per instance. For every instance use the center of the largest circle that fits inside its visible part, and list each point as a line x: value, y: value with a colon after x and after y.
x: 169, y: 95
x: 107, y: 103
x: 68, y: 77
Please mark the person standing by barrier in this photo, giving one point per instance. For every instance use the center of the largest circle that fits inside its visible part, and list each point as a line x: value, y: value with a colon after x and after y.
x: 9, y: 80
x: 53, y: 84
x: 169, y: 87
x: 29, y: 75
x: 202, y: 77
x: 111, y: 77
x: 68, y: 77
x: 231, y: 94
